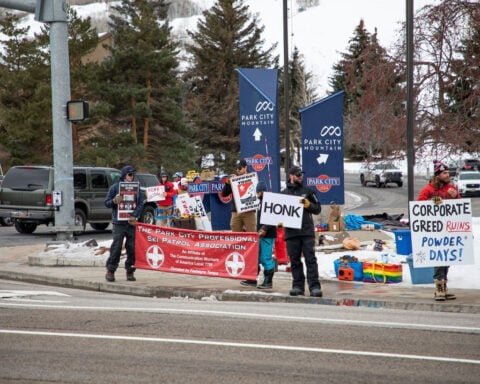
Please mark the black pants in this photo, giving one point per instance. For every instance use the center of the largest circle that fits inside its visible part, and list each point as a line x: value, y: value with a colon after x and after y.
x: 120, y: 232
x: 296, y: 247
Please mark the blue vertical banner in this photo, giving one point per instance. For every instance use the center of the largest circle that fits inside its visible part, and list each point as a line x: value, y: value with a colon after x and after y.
x: 322, y: 148
x: 259, y: 128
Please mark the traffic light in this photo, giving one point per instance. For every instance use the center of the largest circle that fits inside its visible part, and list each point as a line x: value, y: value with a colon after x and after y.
x: 77, y: 110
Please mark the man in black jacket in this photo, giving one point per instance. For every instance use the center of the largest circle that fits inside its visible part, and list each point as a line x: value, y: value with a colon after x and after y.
x: 302, y: 241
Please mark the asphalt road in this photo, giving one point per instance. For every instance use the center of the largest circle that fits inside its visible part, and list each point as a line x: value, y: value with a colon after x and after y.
x: 68, y: 336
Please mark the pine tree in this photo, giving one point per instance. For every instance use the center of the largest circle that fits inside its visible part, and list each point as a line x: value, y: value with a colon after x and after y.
x: 25, y: 96
x: 373, y: 112
x: 227, y: 38
x: 140, y: 93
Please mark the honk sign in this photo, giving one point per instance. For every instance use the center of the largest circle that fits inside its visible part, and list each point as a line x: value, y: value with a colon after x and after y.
x: 441, y: 233
x: 279, y: 208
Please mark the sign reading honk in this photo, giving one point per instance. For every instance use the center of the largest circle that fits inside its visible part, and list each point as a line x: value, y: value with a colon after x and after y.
x: 279, y: 208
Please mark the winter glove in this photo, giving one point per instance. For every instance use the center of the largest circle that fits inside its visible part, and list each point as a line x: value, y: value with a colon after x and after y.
x: 452, y: 192
x: 280, y: 225
x: 118, y: 199
x: 305, y: 202
x: 437, y: 200
x: 132, y: 220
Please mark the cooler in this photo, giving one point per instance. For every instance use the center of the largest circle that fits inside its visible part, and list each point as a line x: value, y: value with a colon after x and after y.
x: 420, y: 275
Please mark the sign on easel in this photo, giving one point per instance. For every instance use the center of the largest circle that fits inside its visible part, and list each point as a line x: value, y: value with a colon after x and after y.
x: 441, y: 233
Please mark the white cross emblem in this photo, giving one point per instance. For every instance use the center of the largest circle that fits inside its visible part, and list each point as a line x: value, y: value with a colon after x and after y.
x: 235, y: 264
x: 155, y: 256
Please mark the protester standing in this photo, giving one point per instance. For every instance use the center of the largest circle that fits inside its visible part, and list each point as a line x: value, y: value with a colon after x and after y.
x: 302, y: 241
x: 438, y: 189
x: 165, y: 206
x: 123, y: 229
x: 243, y: 221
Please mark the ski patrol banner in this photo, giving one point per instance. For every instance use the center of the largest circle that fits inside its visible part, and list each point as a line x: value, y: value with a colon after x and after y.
x: 218, y: 254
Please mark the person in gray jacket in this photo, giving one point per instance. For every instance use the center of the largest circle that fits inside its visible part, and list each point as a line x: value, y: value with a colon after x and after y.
x: 302, y: 241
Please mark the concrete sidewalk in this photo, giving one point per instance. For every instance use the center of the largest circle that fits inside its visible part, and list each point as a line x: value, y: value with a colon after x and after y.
x: 23, y: 263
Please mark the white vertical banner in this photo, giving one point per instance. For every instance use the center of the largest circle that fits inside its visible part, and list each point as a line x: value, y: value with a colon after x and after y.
x: 441, y: 233
x: 244, y: 192
x: 280, y: 208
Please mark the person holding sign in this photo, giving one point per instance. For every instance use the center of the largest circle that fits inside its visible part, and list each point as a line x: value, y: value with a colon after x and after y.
x: 240, y: 221
x: 165, y: 206
x: 302, y: 241
x: 438, y: 189
x: 123, y: 228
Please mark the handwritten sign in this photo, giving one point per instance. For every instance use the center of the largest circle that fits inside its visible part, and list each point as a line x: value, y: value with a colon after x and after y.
x: 155, y: 193
x: 441, y: 233
x: 280, y: 208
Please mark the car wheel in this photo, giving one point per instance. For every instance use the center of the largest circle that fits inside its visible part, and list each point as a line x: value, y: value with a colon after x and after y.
x: 25, y: 228
x: 400, y: 184
x: 148, y: 215
x: 6, y: 221
x: 99, y: 226
x: 362, y: 180
x: 80, y: 221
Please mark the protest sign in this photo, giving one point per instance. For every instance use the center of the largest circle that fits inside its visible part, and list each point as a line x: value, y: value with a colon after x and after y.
x: 441, y: 233
x: 244, y: 192
x: 190, y: 205
x: 129, y: 193
x: 155, y: 193
x: 280, y: 208
x: 217, y: 254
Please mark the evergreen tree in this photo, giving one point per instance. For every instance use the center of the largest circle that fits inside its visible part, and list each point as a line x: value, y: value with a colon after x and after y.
x: 140, y: 93
x: 25, y: 96
x: 301, y: 95
x: 373, y: 102
x: 227, y: 38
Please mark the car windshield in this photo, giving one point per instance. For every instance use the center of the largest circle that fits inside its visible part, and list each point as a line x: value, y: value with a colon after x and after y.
x: 27, y: 178
x: 385, y: 166
x: 146, y: 180
x: 469, y: 176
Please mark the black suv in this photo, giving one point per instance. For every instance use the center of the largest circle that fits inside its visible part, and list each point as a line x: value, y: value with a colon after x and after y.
x: 26, y: 196
x: 147, y: 180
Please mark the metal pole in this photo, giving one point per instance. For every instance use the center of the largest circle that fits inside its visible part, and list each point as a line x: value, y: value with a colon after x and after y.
x: 410, y: 96
x: 62, y: 129
x: 286, y: 88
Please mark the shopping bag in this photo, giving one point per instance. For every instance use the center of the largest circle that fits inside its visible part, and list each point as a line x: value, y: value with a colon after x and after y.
x: 375, y: 272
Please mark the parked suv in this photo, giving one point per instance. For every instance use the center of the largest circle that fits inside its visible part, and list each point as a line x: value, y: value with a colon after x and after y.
x: 147, y: 180
x: 26, y: 196
x: 380, y: 173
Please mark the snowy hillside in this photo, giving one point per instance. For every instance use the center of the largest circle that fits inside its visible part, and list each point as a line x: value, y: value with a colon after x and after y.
x: 321, y: 32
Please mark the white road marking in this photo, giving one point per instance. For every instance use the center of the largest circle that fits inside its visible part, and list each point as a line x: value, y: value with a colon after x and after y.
x: 386, y: 324
x: 242, y: 345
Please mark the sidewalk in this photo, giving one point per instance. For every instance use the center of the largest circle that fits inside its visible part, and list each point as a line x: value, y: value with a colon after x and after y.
x: 21, y: 263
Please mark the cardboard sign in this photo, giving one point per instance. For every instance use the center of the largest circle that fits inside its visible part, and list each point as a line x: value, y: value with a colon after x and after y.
x: 441, y: 233
x: 190, y: 206
x: 244, y: 192
x: 155, y: 193
x: 280, y: 208
x: 129, y: 192
x: 218, y: 254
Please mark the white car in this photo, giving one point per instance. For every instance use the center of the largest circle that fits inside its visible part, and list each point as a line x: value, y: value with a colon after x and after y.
x: 381, y: 173
x: 468, y: 183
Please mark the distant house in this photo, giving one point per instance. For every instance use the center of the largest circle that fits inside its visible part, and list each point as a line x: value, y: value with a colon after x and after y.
x: 100, y: 52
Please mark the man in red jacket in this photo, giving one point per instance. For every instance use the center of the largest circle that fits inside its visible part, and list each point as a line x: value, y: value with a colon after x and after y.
x: 438, y: 189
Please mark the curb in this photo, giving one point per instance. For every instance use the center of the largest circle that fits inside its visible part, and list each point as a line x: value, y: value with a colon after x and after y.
x: 211, y: 294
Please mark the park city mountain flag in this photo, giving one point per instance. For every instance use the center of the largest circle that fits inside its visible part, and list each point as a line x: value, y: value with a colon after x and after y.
x: 322, y: 148
x: 259, y: 132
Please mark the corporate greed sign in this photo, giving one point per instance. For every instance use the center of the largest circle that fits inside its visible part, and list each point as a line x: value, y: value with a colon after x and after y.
x: 441, y: 233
